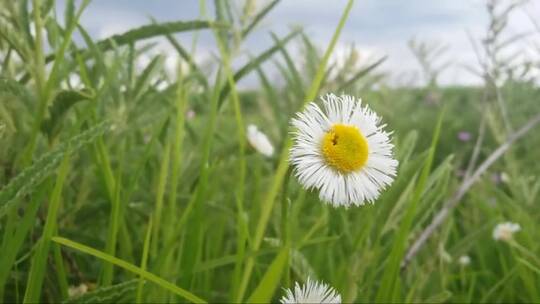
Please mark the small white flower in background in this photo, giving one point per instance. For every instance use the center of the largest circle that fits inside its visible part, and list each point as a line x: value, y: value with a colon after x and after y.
x: 75, y: 291
x: 505, y: 178
x: 311, y: 292
x: 142, y: 62
x: 343, y: 151
x: 505, y: 231
x: 32, y: 28
x: 259, y: 141
x: 162, y: 85
x: 464, y: 260
x: 73, y: 81
x: 171, y: 66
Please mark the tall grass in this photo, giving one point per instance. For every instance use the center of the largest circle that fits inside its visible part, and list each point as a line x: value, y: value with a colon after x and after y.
x: 142, y: 187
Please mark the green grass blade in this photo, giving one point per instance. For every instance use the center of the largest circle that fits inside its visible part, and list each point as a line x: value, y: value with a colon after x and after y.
x: 26, y: 181
x: 23, y: 21
x: 269, y: 283
x: 241, y: 163
x: 256, y: 62
x: 363, y: 72
x: 12, y: 245
x: 144, y: 261
x: 130, y: 267
x: 260, y: 16
x: 140, y: 33
x: 60, y: 271
x: 61, y: 104
x: 317, y: 81
x: 160, y: 192
x: 152, y: 30
x: 56, y: 70
x: 297, y: 79
x: 389, y: 289
x: 39, y: 261
x: 114, y: 225
x: 147, y: 74
x: 270, y: 197
x: 12, y: 88
x: 119, y: 293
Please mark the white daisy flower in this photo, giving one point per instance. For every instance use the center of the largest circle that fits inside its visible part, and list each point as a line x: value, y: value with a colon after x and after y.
x: 311, y: 292
x: 505, y: 231
x: 259, y: 141
x: 464, y: 260
x: 343, y: 151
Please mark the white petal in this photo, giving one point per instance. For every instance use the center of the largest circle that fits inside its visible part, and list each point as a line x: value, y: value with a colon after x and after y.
x: 311, y: 292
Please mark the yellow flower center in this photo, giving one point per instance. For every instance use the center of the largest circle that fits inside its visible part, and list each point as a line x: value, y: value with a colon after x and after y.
x: 345, y: 148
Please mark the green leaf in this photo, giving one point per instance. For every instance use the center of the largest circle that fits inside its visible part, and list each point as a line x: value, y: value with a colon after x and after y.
x: 61, y: 104
x: 130, y: 267
x: 14, y: 39
x: 24, y: 21
x: 256, y: 62
x: 36, y: 274
x: 26, y: 181
x: 269, y: 283
x: 318, y: 80
x: 197, y: 73
x: 153, y: 30
x: 144, y: 260
x: 131, y: 36
x: 122, y: 292
x: 69, y: 13
x: 259, y: 17
x: 361, y: 73
x: 146, y: 75
x: 283, y: 164
x: 12, y: 88
x: 12, y: 244
x: 390, y: 282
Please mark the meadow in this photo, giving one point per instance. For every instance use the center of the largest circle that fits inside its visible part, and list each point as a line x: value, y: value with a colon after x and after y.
x: 120, y: 183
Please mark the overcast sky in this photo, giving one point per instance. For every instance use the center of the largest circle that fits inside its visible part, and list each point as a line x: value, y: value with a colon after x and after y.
x: 376, y: 27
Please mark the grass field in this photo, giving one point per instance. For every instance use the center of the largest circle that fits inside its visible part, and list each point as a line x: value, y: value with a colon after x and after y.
x: 124, y: 184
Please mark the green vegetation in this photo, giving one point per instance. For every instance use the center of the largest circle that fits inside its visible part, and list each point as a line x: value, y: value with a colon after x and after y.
x: 144, y: 188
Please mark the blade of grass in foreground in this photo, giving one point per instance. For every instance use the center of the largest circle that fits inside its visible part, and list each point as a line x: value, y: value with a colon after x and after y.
x: 12, y: 245
x: 144, y: 260
x: 239, y: 195
x: 269, y: 199
x: 26, y: 181
x: 39, y: 260
x: 269, y: 283
x: 130, y: 267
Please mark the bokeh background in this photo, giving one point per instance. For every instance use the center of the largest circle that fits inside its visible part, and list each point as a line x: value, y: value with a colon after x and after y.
x: 375, y: 28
